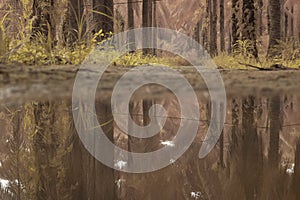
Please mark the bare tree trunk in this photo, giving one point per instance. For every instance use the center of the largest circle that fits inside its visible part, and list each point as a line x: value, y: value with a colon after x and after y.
x: 103, y: 15
x: 234, y: 19
x: 222, y: 26
x: 154, y: 24
x: 130, y: 14
x: 286, y: 26
x: 292, y: 21
x: 260, y: 27
x: 213, y: 27
x: 197, y: 32
x: 205, y: 35
x: 275, y: 25
x: 147, y: 22
x: 249, y: 26
x: 229, y: 49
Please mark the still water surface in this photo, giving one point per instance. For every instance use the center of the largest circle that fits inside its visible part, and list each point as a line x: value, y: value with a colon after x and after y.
x: 257, y: 156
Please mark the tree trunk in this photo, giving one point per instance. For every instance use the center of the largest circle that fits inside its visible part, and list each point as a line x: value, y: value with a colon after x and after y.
x: 286, y: 26
x: 213, y: 27
x: 249, y: 26
x: 292, y: 21
x: 147, y: 22
x: 229, y: 45
x: 130, y: 14
x: 260, y: 25
x: 154, y: 24
x: 275, y: 25
x: 103, y: 15
x: 205, y: 34
x: 222, y: 26
x: 42, y: 11
x: 234, y: 19
x: 74, y: 26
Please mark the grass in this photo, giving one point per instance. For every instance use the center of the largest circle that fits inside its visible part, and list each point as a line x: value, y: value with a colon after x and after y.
x: 30, y: 48
x: 228, y: 61
x: 238, y: 62
x: 288, y: 55
x: 137, y: 58
x: 39, y: 50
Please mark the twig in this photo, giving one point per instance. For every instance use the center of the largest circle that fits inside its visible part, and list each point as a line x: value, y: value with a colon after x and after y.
x: 275, y: 67
x: 256, y: 67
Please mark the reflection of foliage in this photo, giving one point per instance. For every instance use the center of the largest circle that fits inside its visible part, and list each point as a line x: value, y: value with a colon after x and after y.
x: 50, y: 146
x: 15, y: 168
x: 36, y: 153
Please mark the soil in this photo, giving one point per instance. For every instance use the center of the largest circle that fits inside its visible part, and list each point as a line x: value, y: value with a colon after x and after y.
x: 19, y: 83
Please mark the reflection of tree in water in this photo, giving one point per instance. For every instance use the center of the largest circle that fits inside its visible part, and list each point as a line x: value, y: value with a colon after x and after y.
x: 245, y: 159
x: 252, y: 174
x: 275, y: 127
x: 44, y: 157
x: 46, y: 160
x: 274, y: 177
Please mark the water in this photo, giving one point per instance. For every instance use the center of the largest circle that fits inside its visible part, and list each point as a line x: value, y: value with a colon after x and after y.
x: 257, y: 157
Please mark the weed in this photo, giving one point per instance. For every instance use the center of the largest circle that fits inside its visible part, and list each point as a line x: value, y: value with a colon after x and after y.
x: 288, y: 51
x: 243, y: 48
x: 4, y: 39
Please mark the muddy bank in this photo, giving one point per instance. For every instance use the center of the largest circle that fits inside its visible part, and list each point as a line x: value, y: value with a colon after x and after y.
x: 19, y: 84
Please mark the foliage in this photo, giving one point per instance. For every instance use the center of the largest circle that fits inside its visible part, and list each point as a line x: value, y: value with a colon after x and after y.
x: 135, y: 59
x: 228, y: 61
x: 242, y: 53
x: 244, y: 48
x: 242, y: 56
x: 30, y: 47
x: 4, y: 40
x: 35, y: 48
x: 138, y: 58
x: 287, y: 51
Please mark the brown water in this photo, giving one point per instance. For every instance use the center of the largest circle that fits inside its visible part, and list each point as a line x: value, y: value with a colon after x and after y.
x: 257, y: 157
